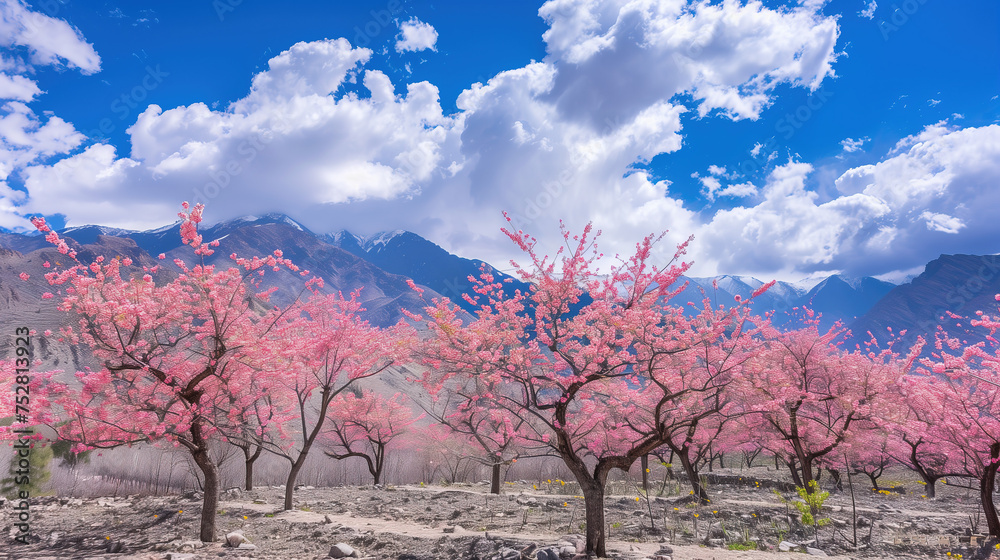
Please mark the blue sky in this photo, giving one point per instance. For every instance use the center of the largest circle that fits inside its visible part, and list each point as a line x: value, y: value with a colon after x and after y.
x: 790, y: 138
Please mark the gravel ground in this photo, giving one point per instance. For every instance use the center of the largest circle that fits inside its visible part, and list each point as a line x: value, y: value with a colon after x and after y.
x: 463, y: 521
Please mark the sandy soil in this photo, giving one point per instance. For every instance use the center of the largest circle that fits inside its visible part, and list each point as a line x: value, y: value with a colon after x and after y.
x: 465, y: 522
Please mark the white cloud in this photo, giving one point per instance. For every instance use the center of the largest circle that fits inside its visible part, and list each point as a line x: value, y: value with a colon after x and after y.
x: 739, y: 190
x: 728, y: 56
x: 942, y: 222
x: 24, y: 138
x: 713, y: 187
x: 789, y: 228
x: 415, y: 35
x: 49, y: 41
x: 290, y: 144
x: 941, y: 180
x: 543, y: 142
x: 17, y: 88
x: 851, y: 145
x: 869, y: 11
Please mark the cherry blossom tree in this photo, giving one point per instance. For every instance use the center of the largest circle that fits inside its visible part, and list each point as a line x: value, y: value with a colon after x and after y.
x: 365, y: 426
x: 464, y: 406
x: 173, y: 356
x: 326, y: 348
x: 579, y: 358
x: 693, y: 376
x: 869, y: 450
x: 263, y: 423
x: 966, y: 380
x: 803, y: 395
x: 916, y: 447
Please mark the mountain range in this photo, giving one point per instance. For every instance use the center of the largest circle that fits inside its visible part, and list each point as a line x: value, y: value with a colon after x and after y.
x: 379, y: 266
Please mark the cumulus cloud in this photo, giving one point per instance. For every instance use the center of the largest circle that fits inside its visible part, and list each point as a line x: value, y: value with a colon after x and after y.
x: 790, y: 228
x: 728, y: 56
x: 25, y: 138
x: 416, y: 35
x: 294, y: 143
x: 935, y: 192
x: 851, y: 145
x: 49, y: 41
x: 713, y: 188
x: 33, y: 39
x: 543, y: 141
x: 739, y: 190
x: 869, y: 11
x: 17, y: 88
x: 942, y: 222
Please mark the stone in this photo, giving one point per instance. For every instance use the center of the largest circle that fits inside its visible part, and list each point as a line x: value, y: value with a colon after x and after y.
x: 547, y: 554
x: 579, y: 541
x: 343, y: 550
x: 786, y: 546
x: 179, y: 556
x: 235, y: 539
x: 509, y: 554
x: 191, y: 545
x: 814, y: 551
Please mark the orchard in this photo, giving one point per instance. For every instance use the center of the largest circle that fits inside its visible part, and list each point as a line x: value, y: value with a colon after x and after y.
x: 594, y: 373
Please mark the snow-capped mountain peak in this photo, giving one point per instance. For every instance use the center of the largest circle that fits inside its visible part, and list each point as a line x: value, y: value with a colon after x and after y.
x: 381, y: 239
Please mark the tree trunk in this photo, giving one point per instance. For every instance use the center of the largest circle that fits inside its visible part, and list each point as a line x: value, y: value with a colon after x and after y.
x: 874, y: 479
x: 986, y: 486
x: 696, y: 489
x: 928, y: 477
x: 593, y: 501
x: 837, y: 481
x: 307, y: 441
x: 290, y: 482
x: 375, y: 462
x: 248, y: 461
x: 210, y: 471
x: 931, y: 481
x: 377, y: 473
x: 495, y: 478
x: 796, y: 477
x: 807, y: 474
x: 248, y: 475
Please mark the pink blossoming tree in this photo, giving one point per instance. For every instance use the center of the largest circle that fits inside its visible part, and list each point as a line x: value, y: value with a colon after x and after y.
x: 580, y: 358
x: 173, y: 356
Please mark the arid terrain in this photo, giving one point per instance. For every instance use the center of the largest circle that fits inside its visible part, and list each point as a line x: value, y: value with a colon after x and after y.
x: 463, y: 521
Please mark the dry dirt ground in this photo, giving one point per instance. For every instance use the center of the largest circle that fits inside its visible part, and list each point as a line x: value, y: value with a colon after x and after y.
x: 463, y: 521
